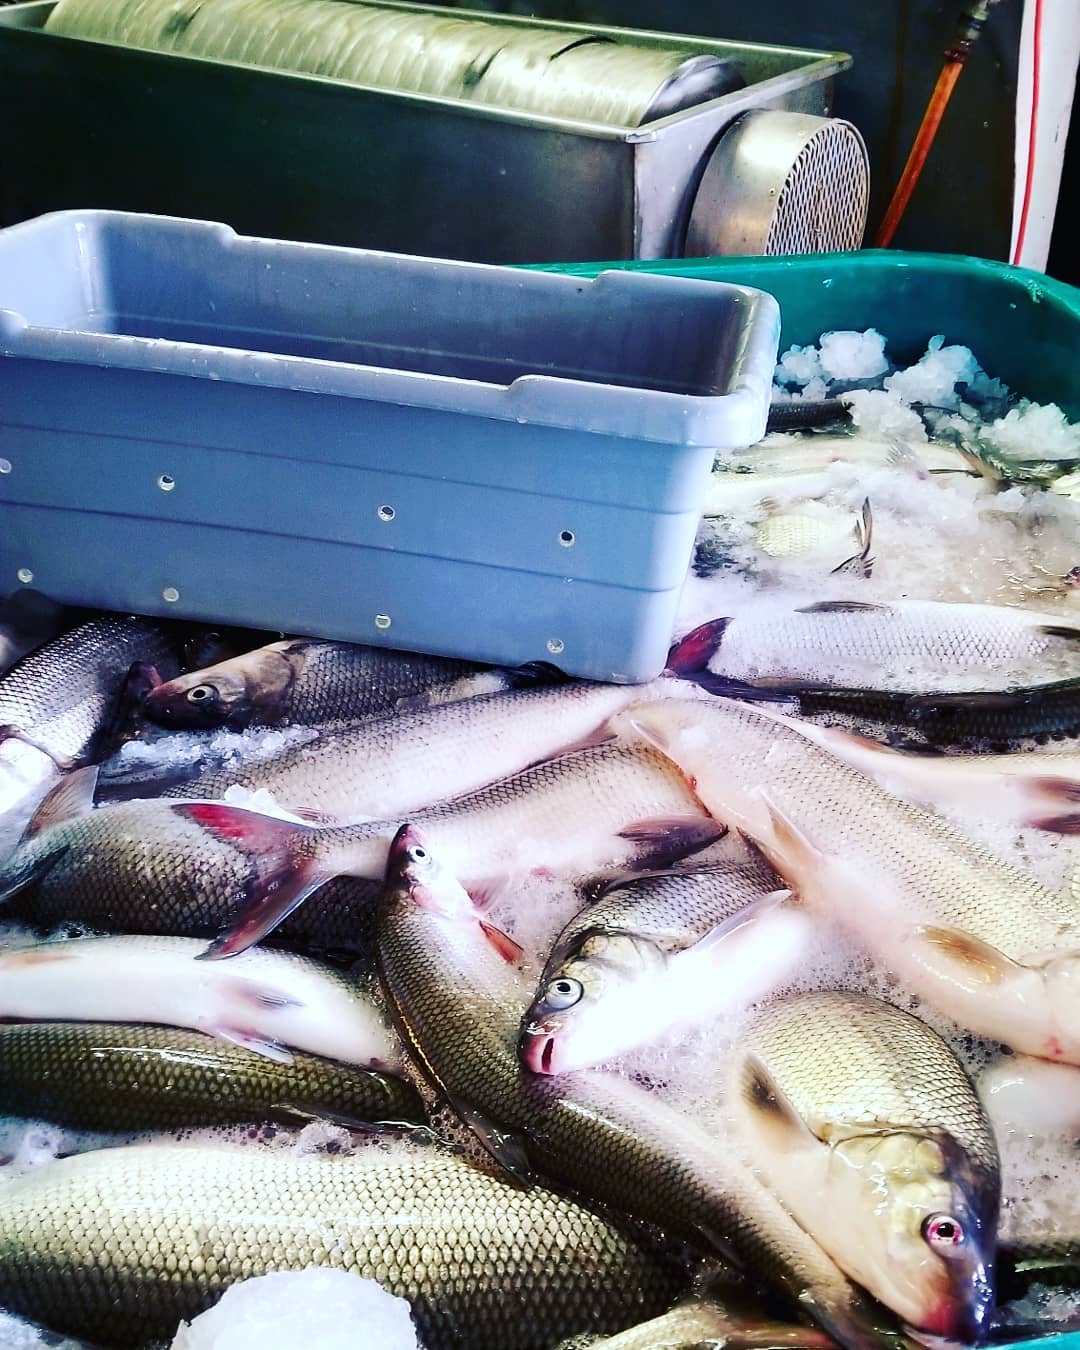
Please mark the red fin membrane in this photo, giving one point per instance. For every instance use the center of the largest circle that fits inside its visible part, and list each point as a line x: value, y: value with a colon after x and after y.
x: 275, y: 893
x: 693, y: 653
x: 250, y: 830
x: 503, y: 943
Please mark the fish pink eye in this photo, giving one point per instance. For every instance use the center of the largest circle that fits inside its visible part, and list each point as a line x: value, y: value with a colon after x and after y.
x: 417, y: 854
x: 942, y: 1230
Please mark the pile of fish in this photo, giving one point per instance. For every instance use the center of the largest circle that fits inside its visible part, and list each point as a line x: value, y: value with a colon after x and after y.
x: 667, y: 858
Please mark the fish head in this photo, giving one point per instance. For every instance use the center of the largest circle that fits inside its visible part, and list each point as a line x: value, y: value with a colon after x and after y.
x: 588, y: 1008
x: 233, y: 694
x: 416, y: 879
x: 923, y: 1219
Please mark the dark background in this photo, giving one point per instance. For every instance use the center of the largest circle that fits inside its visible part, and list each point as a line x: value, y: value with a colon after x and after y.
x: 963, y: 203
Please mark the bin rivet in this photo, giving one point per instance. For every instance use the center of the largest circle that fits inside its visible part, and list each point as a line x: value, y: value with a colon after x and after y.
x: 25, y: 575
x: 386, y: 513
x: 166, y: 482
x: 555, y: 645
x: 566, y: 538
x: 5, y: 465
x: 170, y: 594
x: 382, y: 621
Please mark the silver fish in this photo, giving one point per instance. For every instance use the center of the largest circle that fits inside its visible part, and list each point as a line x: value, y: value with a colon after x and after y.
x: 915, y: 646
x: 868, y: 1129
x: 303, y: 682
x: 980, y: 940
x: 392, y: 766
x: 264, y: 1000
x: 658, y: 953
x: 189, y: 867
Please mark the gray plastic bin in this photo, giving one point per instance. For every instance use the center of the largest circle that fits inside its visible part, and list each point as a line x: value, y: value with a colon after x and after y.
x: 457, y: 458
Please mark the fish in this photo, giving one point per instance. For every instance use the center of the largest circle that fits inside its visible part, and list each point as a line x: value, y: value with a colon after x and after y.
x: 265, y: 1001
x: 482, y: 1261
x: 1055, y: 1262
x: 701, y: 1324
x: 196, y: 868
x: 906, y: 646
x: 969, y: 721
x: 867, y: 1127
x: 454, y: 991
x: 112, y: 1076
x: 59, y: 698
x: 816, y: 530
x: 1023, y: 790
x: 659, y: 953
x: 305, y: 682
x: 391, y: 766
x: 979, y: 940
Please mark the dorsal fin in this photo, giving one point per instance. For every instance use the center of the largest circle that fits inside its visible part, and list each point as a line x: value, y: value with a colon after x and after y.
x: 72, y: 796
x: 843, y: 607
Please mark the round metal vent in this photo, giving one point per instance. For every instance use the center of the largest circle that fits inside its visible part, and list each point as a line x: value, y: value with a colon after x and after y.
x: 782, y: 182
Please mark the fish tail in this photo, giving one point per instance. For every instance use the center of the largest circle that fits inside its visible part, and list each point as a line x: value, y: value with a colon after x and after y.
x: 693, y: 653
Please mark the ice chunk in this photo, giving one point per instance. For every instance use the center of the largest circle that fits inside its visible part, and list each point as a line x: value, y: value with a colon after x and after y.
x: 798, y: 366
x: 319, y: 1308
x: 853, y: 356
x: 933, y: 379
x: 1034, y: 431
x: 877, y: 413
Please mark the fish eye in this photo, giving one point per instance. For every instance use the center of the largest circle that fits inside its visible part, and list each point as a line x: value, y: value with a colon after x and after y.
x: 200, y: 693
x: 563, y: 993
x: 418, y: 854
x: 943, y: 1231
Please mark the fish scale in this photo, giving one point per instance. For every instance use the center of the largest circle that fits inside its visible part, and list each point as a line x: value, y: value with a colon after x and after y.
x: 119, y: 1076
x: 121, y: 1244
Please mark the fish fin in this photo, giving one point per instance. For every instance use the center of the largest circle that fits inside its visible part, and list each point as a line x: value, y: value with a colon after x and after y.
x: 44, y: 955
x: 297, y: 1111
x: 510, y: 951
x: 262, y: 996
x: 769, y: 1107
x: 1069, y: 823
x: 763, y: 905
x: 534, y: 674
x: 272, y: 897
x: 966, y: 958
x: 20, y: 876
x: 692, y: 653
x: 1054, y: 787
x: 788, y: 842
x: 843, y: 607
x: 250, y: 1040
x: 252, y: 831
x: 10, y: 732
x: 601, y: 735
x: 861, y: 562
x: 670, y: 838
x: 760, y: 691
x: 508, y: 1149
x: 307, y: 815
x: 72, y: 796
x: 1059, y: 630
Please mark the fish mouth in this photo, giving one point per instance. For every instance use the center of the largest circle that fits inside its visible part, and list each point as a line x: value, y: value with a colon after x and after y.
x: 951, y: 1323
x: 538, y: 1048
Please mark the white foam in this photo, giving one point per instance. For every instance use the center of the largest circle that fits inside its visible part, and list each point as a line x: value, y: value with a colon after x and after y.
x: 319, y: 1308
x: 15, y: 1334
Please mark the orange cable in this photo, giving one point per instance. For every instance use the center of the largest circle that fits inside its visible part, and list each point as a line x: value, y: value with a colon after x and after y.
x: 1029, y: 177
x: 924, y: 139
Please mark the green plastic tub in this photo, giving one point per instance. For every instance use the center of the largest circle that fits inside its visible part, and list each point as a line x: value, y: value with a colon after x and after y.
x: 1022, y: 326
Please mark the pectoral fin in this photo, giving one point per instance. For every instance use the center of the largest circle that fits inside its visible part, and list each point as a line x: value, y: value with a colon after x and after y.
x: 964, y: 958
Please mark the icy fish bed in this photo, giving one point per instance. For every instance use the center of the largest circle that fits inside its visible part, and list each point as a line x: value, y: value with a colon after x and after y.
x: 940, y: 532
